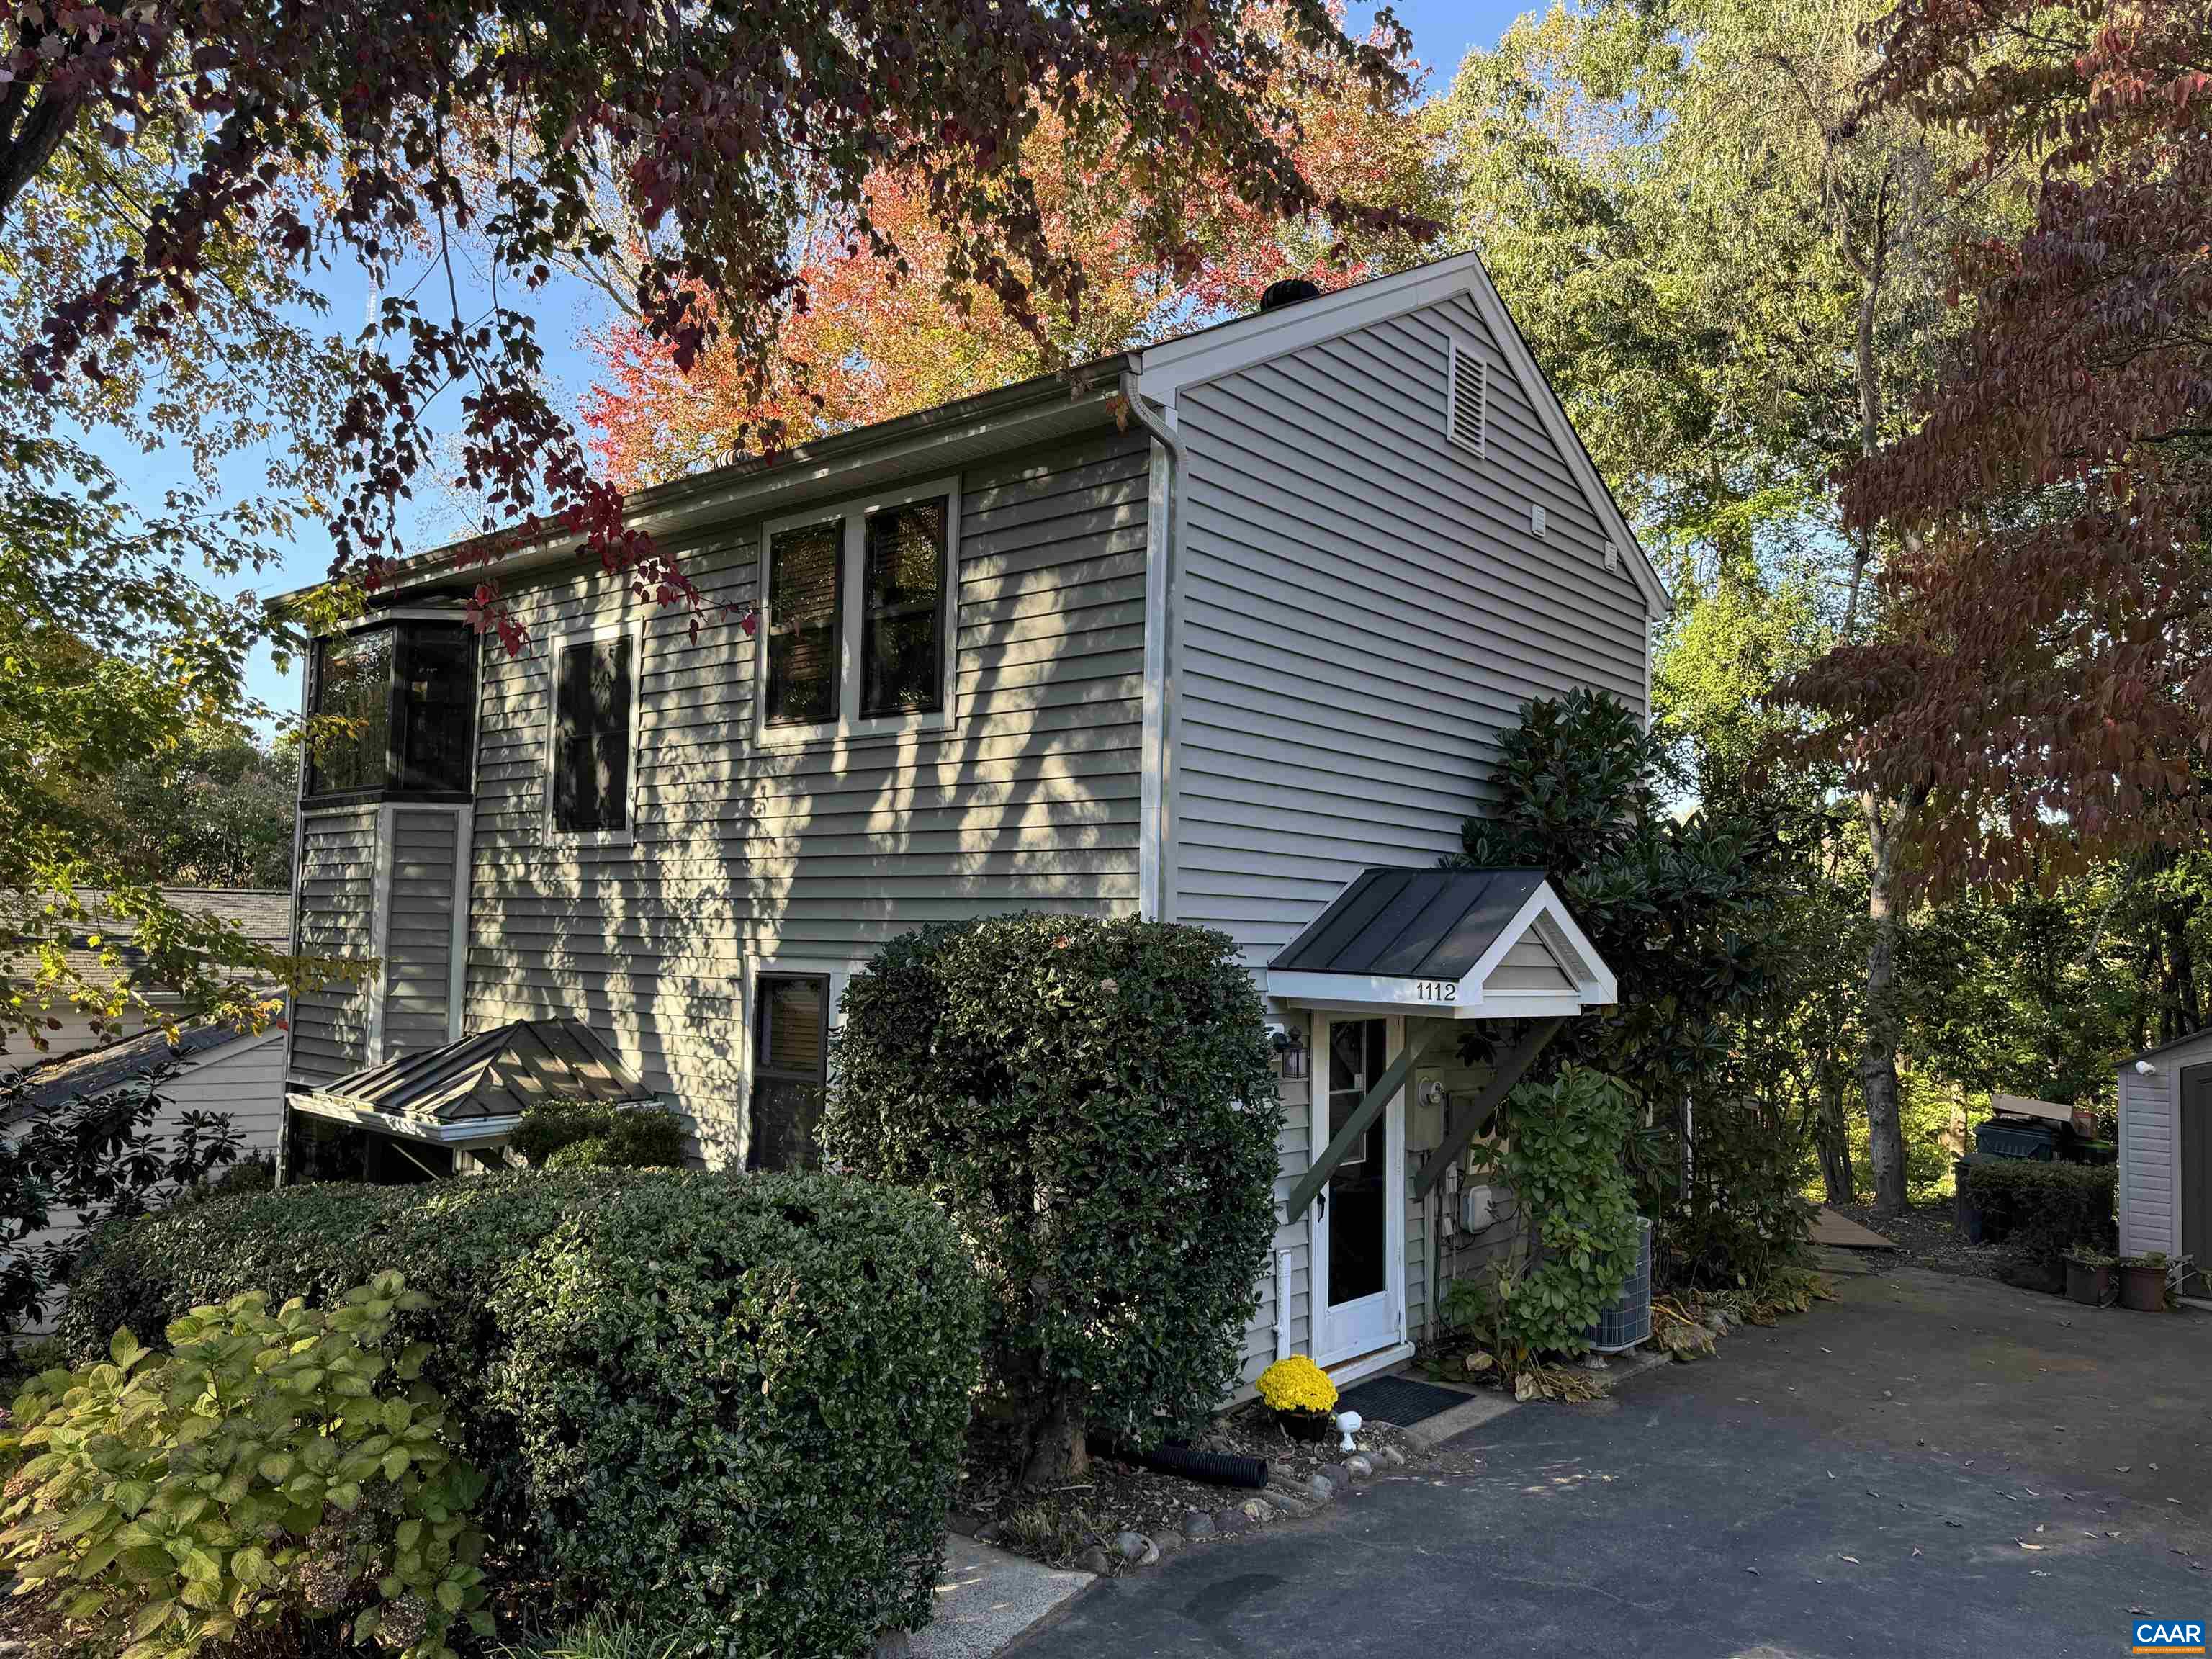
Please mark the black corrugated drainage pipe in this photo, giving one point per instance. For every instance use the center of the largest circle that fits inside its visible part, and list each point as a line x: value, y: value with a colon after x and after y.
x: 1215, y: 1469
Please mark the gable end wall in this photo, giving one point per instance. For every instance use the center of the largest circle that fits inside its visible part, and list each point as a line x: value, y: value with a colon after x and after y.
x: 1363, y: 609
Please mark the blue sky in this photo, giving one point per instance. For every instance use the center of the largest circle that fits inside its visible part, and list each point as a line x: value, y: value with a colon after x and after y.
x: 1443, y: 31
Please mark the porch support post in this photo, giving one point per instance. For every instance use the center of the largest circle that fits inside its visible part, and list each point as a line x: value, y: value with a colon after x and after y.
x: 1360, y: 1121
x: 1512, y: 1066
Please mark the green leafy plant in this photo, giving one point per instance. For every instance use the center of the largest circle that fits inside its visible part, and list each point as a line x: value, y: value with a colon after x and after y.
x: 1560, y: 1154
x: 594, y: 1135
x: 1704, y: 924
x: 736, y: 1401
x: 253, y: 1476
x: 98, y: 1156
x: 1090, y: 1100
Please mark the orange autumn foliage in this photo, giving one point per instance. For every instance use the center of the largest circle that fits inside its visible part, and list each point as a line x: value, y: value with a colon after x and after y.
x: 869, y: 337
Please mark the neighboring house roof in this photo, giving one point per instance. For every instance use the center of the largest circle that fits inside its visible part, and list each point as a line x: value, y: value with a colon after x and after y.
x: 1086, y: 395
x: 263, y: 915
x: 97, y: 1071
x: 495, y: 1074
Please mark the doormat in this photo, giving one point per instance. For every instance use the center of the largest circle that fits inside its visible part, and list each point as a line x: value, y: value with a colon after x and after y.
x: 1398, y: 1399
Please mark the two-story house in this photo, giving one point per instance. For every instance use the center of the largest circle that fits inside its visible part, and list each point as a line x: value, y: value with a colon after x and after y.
x: 1222, y: 631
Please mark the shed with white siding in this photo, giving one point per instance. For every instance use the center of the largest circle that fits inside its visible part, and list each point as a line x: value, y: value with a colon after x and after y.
x: 2165, y: 1200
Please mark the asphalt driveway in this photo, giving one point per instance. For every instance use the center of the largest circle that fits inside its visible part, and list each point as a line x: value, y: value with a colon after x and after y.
x: 1929, y: 1465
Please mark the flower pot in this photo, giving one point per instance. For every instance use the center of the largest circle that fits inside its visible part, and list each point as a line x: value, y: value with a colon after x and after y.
x: 2142, y: 1287
x: 2089, y: 1283
x: 1307, y: 1425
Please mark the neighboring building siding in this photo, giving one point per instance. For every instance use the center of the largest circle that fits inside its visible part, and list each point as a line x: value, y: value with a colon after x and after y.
x: 418, y: 946
x: 2147, y: 1152
x: 243, y: 1080
x: 820, y: 853
x: 1363, y: 611
x: 336, y: 887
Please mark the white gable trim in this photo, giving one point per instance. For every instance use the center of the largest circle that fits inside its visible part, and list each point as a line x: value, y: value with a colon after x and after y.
x: 1542, y: 915
x: 1233, y: 347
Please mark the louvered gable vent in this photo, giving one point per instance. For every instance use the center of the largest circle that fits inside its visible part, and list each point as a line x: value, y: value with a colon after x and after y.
x: 1466, y: 411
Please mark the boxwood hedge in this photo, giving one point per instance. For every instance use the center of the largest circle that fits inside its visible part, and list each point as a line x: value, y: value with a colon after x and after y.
x: 2040, y: 1210
x: 738, y: 1401
x: 1091, y: 1101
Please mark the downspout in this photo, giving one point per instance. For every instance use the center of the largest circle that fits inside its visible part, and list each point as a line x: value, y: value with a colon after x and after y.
x: 1156, y: 893
x: 292, y: 938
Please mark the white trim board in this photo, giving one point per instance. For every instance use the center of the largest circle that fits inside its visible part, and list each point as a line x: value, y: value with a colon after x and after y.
x: 1233, y: 347
x: 1541, y: 915
x: 472, y: 1131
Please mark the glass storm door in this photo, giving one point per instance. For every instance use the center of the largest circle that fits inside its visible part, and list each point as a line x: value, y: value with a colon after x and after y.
x: 1360, y: 1215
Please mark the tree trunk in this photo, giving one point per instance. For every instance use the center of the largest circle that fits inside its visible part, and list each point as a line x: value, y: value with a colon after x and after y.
x: 1057, y: 1453
x: 1834, y: 1137
x: 1878, y: 1050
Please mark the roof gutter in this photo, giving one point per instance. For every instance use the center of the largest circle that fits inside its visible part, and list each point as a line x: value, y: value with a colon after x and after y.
x: 999, y: 418
x: 1164, y: 536
x: 338, y: 1109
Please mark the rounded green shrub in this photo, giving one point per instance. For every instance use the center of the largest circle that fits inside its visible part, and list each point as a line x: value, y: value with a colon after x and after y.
x: 1091, y: 1102
x: 738, y: 1400
x: 589, y: 1154
x: 612, y: 1137
x: 2041, y: 1210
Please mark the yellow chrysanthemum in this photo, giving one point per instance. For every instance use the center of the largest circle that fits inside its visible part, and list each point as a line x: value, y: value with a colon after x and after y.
x: 1296, y: 1384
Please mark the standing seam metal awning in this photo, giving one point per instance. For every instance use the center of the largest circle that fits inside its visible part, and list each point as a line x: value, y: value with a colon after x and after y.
x: 476, y: 1089
x: 1452, y: 944
x: 1457, y: 943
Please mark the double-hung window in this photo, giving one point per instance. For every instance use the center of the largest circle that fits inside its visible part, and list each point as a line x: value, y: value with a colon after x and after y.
x: 591, y: 748
x: 791, y: 1069
x: 857, y: 614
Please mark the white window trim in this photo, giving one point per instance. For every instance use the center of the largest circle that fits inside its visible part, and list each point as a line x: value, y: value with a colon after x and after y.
x: 634, y: 630
x: 836, y: 972
x: 847, y: 727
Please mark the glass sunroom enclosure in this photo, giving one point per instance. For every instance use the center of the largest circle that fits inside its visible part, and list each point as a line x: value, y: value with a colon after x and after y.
x: 405, y: 691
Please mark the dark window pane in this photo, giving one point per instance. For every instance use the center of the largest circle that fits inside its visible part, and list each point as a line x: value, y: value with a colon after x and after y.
x: 791, y: 1032
x: 437, y: 700
x: 1359, y: 1191
x: 353, y: 682
x: 805, y: 569
x: 591, y: 735
x: 903, y: 611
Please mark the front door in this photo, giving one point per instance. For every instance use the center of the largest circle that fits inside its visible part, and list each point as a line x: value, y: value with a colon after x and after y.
x: 1358, y: 1219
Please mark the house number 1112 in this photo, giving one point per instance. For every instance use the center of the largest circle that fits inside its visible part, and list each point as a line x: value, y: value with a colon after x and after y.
x: 1435, y: 990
